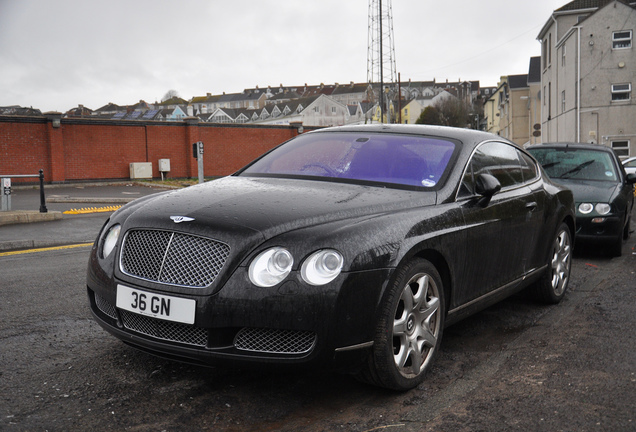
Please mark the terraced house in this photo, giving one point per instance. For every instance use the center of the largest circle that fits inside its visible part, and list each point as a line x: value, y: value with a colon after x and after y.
x: 587, y: 74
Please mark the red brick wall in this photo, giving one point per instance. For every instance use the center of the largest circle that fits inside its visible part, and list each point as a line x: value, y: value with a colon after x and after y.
x: 24, y: 149
x: 89, y: 149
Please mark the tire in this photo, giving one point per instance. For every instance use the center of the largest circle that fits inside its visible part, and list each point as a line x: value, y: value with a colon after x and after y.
x: 626, y: 231
x: 409, y: 329
x: 553, y: 284
x: 616, y: 247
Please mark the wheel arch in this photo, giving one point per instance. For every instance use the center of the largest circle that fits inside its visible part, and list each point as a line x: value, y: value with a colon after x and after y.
x: 570, y: 222
x: 440, y: 263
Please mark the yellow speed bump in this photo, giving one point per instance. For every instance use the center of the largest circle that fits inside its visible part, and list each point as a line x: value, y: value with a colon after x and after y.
x: 93, y: 210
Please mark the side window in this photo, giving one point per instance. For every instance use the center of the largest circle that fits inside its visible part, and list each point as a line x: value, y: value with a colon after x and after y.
x: 499, y: 160
x: 529, y: 168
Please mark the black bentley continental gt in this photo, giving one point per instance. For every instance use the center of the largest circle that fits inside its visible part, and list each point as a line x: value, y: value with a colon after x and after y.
x: 348, y: 246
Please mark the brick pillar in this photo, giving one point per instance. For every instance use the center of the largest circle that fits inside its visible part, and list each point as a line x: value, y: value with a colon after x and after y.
x: 57, y: 168
x: 192, y: 135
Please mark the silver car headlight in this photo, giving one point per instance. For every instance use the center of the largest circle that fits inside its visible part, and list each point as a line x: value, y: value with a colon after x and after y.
x: 586, y: 208
x: 322, y: 267
x: 271, y: 267
x: 110, y: 240
x: 602, y: 208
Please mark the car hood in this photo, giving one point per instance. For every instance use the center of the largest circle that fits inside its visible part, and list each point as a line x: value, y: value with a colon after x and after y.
x: 265, y: 207
x: 590, y: 190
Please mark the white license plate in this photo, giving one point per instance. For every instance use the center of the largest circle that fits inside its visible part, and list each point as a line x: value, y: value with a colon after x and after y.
x: 164, y: 307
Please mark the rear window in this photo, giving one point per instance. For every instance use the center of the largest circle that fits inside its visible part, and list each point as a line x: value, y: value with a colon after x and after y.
x: 579, y: 164
x: 380, y: 158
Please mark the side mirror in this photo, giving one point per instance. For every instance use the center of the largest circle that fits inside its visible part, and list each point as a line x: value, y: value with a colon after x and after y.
x: 487, y: 185
x: 631, y: 178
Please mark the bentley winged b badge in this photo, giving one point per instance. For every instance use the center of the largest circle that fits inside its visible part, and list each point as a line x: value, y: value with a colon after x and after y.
x: 179, y: 219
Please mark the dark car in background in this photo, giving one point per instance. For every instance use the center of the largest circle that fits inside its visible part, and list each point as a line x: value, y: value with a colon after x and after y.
x: 630, y: 165
x: 603, y: 192
x: 350, y: 246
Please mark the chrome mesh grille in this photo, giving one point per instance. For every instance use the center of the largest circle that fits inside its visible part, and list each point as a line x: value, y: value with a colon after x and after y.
x: 166, y: 330
x: 105, y: 306
x: 172, y: 258
x: 275, y: 341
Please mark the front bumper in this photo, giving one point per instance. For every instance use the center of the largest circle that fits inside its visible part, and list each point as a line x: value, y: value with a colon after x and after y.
x: 288, y: 324
x: 605, y: 231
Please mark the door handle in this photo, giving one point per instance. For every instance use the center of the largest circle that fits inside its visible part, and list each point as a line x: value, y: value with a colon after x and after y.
x: 532, y: 206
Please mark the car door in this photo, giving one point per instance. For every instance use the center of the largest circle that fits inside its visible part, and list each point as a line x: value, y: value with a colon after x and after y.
x: 500, y: 231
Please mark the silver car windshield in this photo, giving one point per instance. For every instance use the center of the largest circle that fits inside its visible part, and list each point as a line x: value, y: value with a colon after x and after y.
x: 391, y: 159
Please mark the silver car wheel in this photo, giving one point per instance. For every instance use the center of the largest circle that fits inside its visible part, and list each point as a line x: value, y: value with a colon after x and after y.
x: 561, y: 262
x: 416, y: 326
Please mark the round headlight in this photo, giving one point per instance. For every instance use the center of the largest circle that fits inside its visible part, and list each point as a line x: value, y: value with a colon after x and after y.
x: 602, y: 208
x: 271, y: 267
x: 110, y: 240
x: 585, y: 208
x: 322, y: 267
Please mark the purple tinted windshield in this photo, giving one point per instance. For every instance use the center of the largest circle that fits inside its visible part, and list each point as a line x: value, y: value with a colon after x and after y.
x: 396, y: 159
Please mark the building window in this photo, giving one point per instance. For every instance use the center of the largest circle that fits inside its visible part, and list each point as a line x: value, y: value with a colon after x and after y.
x: 563, y: 56
x: 622, y: 39
x: 621, y: 92
x: 544, y: 99
x: 621, y: 148
x: 563, y: 101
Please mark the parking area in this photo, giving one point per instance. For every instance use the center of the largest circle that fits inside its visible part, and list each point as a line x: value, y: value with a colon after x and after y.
x: 518, y: 365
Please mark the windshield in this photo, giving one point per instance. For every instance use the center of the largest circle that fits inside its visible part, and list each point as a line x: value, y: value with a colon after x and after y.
x: 395, y: 159
x: 579, y: 164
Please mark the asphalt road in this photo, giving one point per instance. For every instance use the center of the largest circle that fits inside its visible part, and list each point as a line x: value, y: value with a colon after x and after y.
x: 517, y: 366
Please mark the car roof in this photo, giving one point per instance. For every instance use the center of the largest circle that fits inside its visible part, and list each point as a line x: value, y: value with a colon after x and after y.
x: 461, y: 134
x: 572, y: 145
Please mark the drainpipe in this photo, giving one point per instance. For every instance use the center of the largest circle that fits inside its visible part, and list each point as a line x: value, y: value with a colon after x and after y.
x: 578, y: 87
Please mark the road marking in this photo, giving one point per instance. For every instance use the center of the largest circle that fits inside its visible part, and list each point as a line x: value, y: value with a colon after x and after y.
x: 93, y: 210
x: 45, y: 249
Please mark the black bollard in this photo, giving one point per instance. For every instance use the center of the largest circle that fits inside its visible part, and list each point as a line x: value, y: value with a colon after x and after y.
x: 42, y: 200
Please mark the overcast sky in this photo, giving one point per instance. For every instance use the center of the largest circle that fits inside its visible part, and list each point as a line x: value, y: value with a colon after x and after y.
x: 55, y: 55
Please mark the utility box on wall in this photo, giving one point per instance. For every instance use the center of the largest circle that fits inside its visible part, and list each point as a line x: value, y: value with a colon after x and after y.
x: 141, y: 170
x: 164, y: 165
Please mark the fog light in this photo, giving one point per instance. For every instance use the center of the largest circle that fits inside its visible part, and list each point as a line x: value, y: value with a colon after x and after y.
x: 598, y: 220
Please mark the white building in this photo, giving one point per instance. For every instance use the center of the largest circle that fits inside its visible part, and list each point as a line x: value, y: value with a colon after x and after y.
x: 588, y: 73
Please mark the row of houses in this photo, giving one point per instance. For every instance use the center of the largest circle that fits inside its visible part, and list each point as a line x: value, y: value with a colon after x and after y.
x: 581, y: 87
x: 319, y: 105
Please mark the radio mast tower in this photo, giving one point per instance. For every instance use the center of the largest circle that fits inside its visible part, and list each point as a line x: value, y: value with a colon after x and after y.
x: 381, y: 70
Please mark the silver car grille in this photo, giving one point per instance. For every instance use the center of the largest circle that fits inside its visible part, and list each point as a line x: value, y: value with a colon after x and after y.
x: 275, y: 341
x: 105, y: 306
x: 261, y: 340
x: 172, y: 258
x: 166, y: 330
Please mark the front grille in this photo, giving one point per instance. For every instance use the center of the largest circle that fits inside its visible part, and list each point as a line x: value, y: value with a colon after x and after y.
x: 172, y: 258
x: 275, y: 341
x: 105, y: 306
x: 166, y: 330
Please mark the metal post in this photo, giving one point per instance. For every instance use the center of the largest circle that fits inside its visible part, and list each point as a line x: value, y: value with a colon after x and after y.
x: 42, y: 199
x: 199, y: 155
x: 5, y: 184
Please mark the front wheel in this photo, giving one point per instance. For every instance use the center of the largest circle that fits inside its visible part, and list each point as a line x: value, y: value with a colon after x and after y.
x: 554, y: 282
x: 409, y: 330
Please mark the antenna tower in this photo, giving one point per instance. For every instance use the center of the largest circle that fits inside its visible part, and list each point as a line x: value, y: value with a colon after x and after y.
x: 381, y: 70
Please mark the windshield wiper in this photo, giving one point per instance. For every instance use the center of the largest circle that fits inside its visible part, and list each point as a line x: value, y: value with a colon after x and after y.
x: 551, y: 164
x: 577, y: 168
